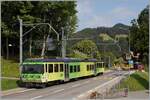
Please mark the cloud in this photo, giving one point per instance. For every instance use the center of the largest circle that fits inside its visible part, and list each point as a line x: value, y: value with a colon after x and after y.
x: 84, y: 8
x: 122, y: 12
x: 99, y: 20
x: 90, y: 16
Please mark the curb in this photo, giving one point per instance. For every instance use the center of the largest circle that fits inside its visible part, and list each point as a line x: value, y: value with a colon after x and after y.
x: 11, y: 78
x: 11, y: 91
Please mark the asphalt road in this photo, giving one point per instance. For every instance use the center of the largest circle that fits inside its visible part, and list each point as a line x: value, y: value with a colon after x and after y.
x: 65, y: 91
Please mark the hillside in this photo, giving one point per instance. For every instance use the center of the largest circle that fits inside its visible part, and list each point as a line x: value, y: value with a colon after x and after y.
x: 119, y: 32
x: 112, y: 31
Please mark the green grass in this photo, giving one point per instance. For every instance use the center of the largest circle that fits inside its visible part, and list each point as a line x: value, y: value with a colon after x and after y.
x: 8, y: 84
x: 106, y: 37
x: 121, y: 36
x: 10, y: 68
x: 137, y: 81
x: 146, y: 67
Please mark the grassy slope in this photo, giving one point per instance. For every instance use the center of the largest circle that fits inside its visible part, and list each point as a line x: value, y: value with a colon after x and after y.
x: 121, y: 36
x: 10, y: 68
x: 106, y: 37
x: 8, y: 84
x: 137, y: 81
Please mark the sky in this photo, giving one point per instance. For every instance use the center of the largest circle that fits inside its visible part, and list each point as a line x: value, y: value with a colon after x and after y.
x: 96, y: 13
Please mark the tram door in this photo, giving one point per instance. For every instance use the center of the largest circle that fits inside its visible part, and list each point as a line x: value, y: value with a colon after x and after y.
x: 66, y: 72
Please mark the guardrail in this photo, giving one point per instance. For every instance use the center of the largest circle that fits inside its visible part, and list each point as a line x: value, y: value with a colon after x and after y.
x: 104, y: 89
x: 100, y: 89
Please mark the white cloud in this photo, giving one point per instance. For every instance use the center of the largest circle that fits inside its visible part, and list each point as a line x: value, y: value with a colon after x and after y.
x: 90, y: 17
x: 122, y: 12
x: 84, y: 7
x: 99, y: 20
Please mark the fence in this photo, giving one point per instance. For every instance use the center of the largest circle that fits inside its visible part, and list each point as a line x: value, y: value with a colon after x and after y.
x: 113, y: 91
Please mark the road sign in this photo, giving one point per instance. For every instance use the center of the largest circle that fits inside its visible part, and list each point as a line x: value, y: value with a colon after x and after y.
x: 130, y: 62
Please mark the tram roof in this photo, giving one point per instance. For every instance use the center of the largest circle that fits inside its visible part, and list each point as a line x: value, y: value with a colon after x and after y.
x: 59, y: 60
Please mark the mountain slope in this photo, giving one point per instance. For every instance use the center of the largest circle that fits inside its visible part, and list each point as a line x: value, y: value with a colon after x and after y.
x: 94, y: 32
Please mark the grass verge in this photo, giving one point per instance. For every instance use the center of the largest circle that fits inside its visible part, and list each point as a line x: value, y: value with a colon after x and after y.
x: 136, y: 81
x: 10, y: 68
x: 7, y: 84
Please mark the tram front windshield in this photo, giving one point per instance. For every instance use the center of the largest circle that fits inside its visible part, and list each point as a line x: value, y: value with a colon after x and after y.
x: 33, y: 68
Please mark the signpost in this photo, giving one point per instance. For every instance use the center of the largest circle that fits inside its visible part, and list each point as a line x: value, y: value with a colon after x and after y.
x: 128, y: 57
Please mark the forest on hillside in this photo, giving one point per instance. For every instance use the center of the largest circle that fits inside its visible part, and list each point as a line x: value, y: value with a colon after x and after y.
x: 62, y: 16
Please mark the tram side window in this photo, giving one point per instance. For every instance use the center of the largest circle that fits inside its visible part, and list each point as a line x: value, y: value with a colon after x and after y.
x: 61, y: 67
x: 78, y: 68
x: 90, y: 67
x: 98, y: 65
x: 46, y: 67
x: 75, y: 68
x: 102, y: 65
x: 50, y: 68
x: 56, y: 67
x: 71, y: 69
x: 87, y: 67
x: 93, y: 67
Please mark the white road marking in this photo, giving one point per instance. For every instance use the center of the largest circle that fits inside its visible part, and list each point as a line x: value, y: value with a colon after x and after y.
x: 36, y: 97
x: 81, y: 95
x: 76, y: 85
x: 26, y: 90
x: 58, y: 90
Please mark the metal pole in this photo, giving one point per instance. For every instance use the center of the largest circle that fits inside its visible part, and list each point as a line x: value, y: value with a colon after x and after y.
x: 109, y: 61
x: 21, y: 48
x: 129, y: 41
x: 63, y: 45
x: 129, y: 52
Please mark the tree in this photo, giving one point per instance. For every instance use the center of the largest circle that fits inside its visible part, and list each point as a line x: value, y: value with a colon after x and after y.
x: 10, y: 11
x: 140, y: 34
x: 87, y: 47
x: 6, y: 33
x: 57, y: 13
